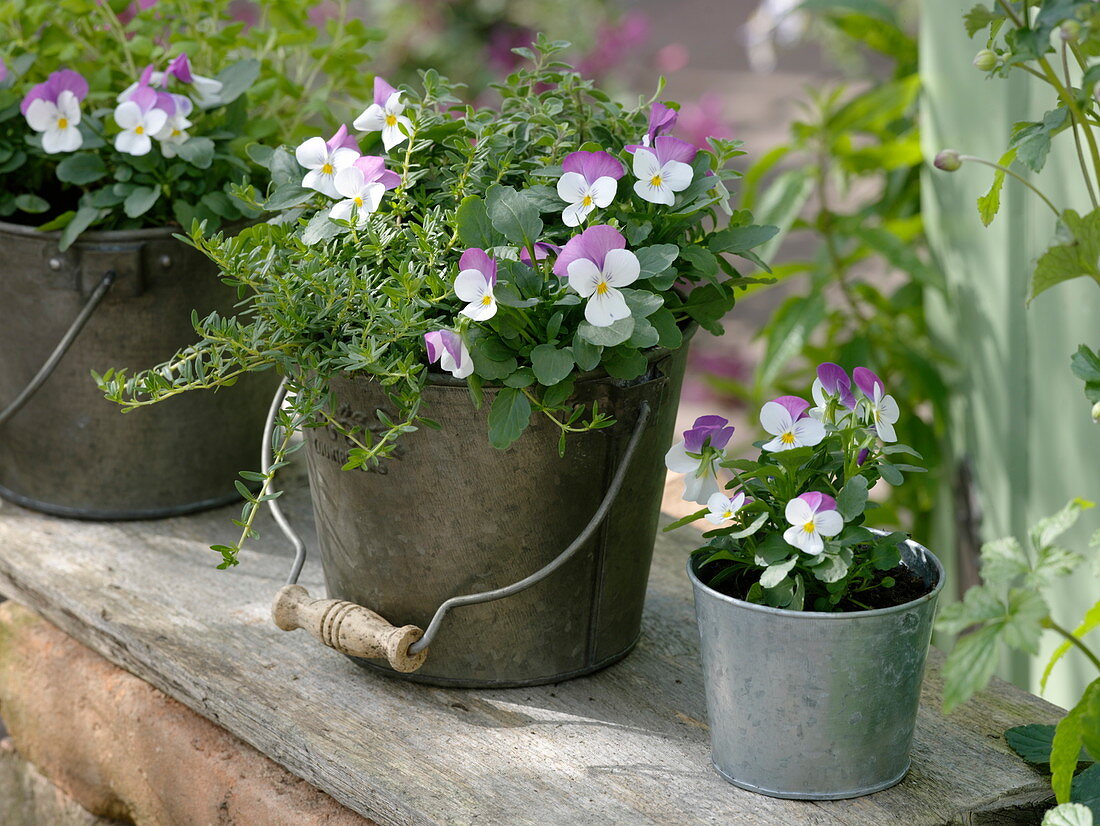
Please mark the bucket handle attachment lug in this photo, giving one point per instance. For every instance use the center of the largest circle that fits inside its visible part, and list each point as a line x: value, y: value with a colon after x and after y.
x: 358, y: 631
x: 46, y: 370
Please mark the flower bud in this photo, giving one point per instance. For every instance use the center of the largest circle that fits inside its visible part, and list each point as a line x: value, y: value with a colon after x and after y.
x: 948, y: 160
x: 986, y: 60
x: 1096, y: 412
x: 1070, y: 30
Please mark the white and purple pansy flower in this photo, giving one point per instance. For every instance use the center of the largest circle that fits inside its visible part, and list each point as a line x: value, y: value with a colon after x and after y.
x: 174, y: 132
x: 589, y: 181
x: 813, y: 518
x: 832, y: 384
x: 450, y: 351
x: 697, y: 456
x: 661, y: 120
x: 663, y: 169
x: 52, y: 108
x: 785, y: 418
x: 139, y: 118
x: 362, y: 186
x: 882, y: 409
x: 324, y: 159
x: 722, y: 508
x: 597, y: 263
x: 384, y: 115
x: 474, y: 284
x: 207, y: 90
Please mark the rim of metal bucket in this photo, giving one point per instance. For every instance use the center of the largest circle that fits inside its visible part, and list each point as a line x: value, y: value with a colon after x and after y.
x: 93, y: 236
x: 941, y: 577
x: 356, y: 630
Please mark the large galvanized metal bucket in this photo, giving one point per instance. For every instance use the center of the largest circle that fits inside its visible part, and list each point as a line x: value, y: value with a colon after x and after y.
x: 70, y: 452
x: 449, y: 515
x: 810, y: 705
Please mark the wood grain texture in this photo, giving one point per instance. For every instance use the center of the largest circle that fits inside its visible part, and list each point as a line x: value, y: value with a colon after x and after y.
x: 625, y: 746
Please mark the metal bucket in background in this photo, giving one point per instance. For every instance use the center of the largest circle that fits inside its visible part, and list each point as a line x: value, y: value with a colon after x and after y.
x: 450, y: 515
x: 70, y: 452
x: 811, y: 705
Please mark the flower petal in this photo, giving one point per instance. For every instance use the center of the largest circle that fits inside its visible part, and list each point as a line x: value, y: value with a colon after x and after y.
x: 471, y: 285
x: 775, y: 418
x: 479, y: 310
x: 678, y: 461
x: 128, y: 115
x: 41, y: 115
x: 572, y: 187
x: 645, y: 165
x: 867, y: 381
x: 798, y: 512
x: 603, y: 191
x: 574, y: 214
x: 592, y: 244
x: 371, y: 119
x: 828, y: 523
x: 886, y: 431
x: 312, y: 153
x: 604, y: 310
x: 667, y: 148
x: 318, y: 180
x: 593, y: 165
x: 676, y: 176
x: 621, y: 268
x: 888, y: 409
x: 343, y: 210
x: 646, y: 190
x: 584, y: 277
x: 808, y: 432
x: 349, y: 182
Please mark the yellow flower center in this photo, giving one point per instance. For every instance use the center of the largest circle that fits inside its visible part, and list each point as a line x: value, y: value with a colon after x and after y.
x: 809, y: 527
x: 176, y: 133
x: 62, y: 123
x: 602, y: 288
x: 875, y: 413
x: 727, y: 515
x: 656, y: 180
x: 139, y: 130
x: 391, y: 120
x: 486, y: 300
x: 587, y: 201
x: 787, y: 438
x: 358, y: 201
x: 326, y: 169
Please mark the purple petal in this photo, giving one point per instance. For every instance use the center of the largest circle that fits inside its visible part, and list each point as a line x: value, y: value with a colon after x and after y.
x: 452, y: 343
x: 866, y: 381
x: 594, y: 244
x: 146, y: 75
x: 543, y: 250
x: 819, y: 501
x: 374, y: 169
x: 862, y: 457
x: 382, y: 91
x: 795, y: 406
x: 834, y: 380
x: 668, y: 148
x: 476, y: 258
x: 67, y: 80
x: 183, y: 104
x: 712, y: 427
x: 661, y: 120
x: 389, y: 179
x: 145, y: 97
x: 594, y: 165
x: 180, y: 68
x: 342, y: 140
x: 3, y: 70
x: 434, y: 342
x: 167, y: 103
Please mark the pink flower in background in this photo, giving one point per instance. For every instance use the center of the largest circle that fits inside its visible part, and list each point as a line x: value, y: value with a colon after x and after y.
x: 704, y: 119
x: 3, y: 70
x: 134, y: 9
x: 450, y: 351
x: 725, y: 369
x: 322, y: 12
x: 671, y: 58
x: 504, y: 37
x: 245, y: 11
x: 614, y: 41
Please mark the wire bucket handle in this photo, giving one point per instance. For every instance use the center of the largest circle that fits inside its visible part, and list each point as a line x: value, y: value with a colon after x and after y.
x: 47, y: 368
x: 358, y: 631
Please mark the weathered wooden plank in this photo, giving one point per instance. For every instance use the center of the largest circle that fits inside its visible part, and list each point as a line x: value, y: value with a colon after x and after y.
x: 627, y: 745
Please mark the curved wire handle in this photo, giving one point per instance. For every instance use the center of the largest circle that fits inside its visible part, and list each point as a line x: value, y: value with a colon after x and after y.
x: 468, y: 599
x: 62, y: 347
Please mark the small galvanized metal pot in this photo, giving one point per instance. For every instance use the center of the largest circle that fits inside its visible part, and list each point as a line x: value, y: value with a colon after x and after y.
x: 810, y: 705
x: 450, y: 515
x: 70, y: 452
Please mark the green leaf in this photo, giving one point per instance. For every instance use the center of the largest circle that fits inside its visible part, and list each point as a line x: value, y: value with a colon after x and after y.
x: 774, y: 574
x: 642, y: 303
x: 852, y: 498
x: 609, y: 336
x: 319, y: 229
x: 737, y: 240
x: 1003, y: 560
x: 513, y: 215
x: 81, y: 168
x: 752, y: 528
x: 140, y: 201
x: 1032, y: 140
x: 668, y: 331
x: 558, y: 394
x: 990, y: 203
x: 31, y: 204
x: 655, y: 262
x: 1075, y: 253
x: 1090, y: 622
x: 978, y: 18
x: 1085, y: 364
x: 236, y: 80
x: 197, y: 152
x: 1033, y: 742
x: 890, y: 474
x: 1073, y: 731
x: 787, y: 332
x: 978, y: 605
x: 1023, y: 622
x: 474, y: 227
x: 550, y: 364
x: 1085, y: 790
x: 287, y: 195
x: 508, y: 417
x: 625, y: 364
x: 969, y: 666
x: 686, y: 520
x: 85, y: 216
x: 586, y: 355
x: 1049, y: 528
x: 701, y: 261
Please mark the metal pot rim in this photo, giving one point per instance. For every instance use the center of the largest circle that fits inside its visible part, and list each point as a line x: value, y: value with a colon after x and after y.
x: 94, y: 236
x: 941, y: 576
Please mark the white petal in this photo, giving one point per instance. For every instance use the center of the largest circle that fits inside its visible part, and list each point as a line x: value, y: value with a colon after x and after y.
x: 155, y: 120
x: 470, y: 285
x: 128, y: 115
x: 828, y: 523
x: 776, y: 445
x: 41, y: 115
x: 604, y: 310
x: 342, y: 211
x: 817, y: 390
x: 394, y: 105
x: 678, y: 461
x: 645, y: 164
x: 621, y: 267
x: 350, y: 182
x: 813, y: 544
x: 808, y: 432
x: 343, y: 157
x: 62, y: 140
x: 574, y: 214
x: 584, y: 276
x: 676, y: 175
x: 372, y: 197
x: 603, y: 191
x: 885, y: 431
x: 69, y: 107
x: 371, y: 120
x: 393, y: 136
x: 699, y: 489
x: 714, y: 518
x: 718, y: 503
x: 572, y: 187
x: 316, y: 179
x: 479, y: 310
x: 888, y: 409
x: 798, y: 512
x: 794, y: 536
x: 312, y: 154
x: 775, y: 418
x: 737, y: 501
x: 654, y: 194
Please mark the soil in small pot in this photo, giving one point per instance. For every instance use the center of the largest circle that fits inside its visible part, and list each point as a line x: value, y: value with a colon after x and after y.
x: 907, y: 587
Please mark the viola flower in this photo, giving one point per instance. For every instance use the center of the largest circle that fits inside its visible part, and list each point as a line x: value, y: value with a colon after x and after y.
x: 175, y: 128
x: 596, y: 262
x: 785, y: 418
x: 543, y: 250
x: 140, y: 119
x: 589, y: 181
x: 882, y: 409
x: 813, y: 518
x: 663, y: 169
x: 52, y: 108
x: 723, y: 508
x: 450, y: 351
x: 207, y: 89
x: 342, y: 140
x: 832, y: 382
x: 385, y: 115
x: 323, y: 162
x: 697, y: 456
x: 362, y: 185
x: 662, y: 119
x: 476, y: 278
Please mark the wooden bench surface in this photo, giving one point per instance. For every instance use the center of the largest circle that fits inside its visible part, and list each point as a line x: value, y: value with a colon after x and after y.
x: 628, y: 745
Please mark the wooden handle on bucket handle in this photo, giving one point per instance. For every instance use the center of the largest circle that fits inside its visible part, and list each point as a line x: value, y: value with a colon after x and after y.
x: 349, y: 628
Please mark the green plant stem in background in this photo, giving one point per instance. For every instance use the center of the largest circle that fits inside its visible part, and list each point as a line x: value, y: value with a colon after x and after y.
x: 1073, y: 639
x: 1009, y: 171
